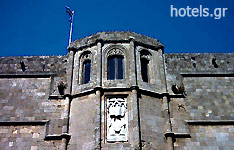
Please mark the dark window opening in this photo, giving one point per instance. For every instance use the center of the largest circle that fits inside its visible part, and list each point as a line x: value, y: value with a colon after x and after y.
x: 115, y: 67
x: 144, y: 69
x: 86, y: 71
x: 214, y: 63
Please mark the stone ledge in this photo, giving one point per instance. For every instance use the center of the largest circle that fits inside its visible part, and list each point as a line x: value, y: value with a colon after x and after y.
x: 182, y: 135
x: 57, y: 136
x: 210, y: 122
x: 207, y: 74
x: 27, y: 75
x: 51, y: 97
x: 177, y: 135
x: 37, y: 123
x: 23, y: 123
x: 114, y: 89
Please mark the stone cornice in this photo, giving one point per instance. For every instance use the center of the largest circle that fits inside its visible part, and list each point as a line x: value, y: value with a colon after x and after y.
x: 116, y: 37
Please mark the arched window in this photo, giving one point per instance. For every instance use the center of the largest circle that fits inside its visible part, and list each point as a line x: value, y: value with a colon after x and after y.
x: 145, y: 58
x: 86, y: 71
x: 85, y: 67
x: 145, y: 69
x: 115, y: 67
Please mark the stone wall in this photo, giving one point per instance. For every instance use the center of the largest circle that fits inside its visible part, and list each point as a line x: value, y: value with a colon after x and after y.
x: 28, y: 115
x: 152, y: 123
x: 33, y: 64
x: 208, y: 100
x: 197, y: 64
x: 25, y: 137
x: 82, y: 122
x: 208, y: 137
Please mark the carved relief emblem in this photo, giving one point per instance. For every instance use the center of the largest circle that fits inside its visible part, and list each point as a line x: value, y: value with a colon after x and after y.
x: 117, y: 119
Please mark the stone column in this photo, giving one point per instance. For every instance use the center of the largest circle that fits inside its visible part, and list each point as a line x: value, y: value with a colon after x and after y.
x: 170, y: 143
x: 167, y: 130
x: 64, y: 144
x: 98, y: 119
x: 69, y: 70
x: 99, y: 64
x: 98, y: 90
x: 65, y: 136
x: 66, y: 115
x: 133, y: 65
x: 135, y: 135
x: 163, y: 71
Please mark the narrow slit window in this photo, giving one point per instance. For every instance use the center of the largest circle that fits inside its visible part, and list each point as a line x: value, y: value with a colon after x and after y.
x: 115, y: 67
x: 144, y: 70
x: 86, y: 71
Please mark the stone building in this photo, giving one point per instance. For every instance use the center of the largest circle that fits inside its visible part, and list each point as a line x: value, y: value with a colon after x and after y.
x: 117, y: 90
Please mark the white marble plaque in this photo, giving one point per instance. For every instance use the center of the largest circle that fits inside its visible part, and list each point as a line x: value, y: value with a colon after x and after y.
x: 117, y: 120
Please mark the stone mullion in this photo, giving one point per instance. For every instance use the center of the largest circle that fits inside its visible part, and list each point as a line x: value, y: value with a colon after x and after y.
x: 116, y: 68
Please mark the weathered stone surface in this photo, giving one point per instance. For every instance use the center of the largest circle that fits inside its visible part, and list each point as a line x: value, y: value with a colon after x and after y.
x: 25, y: 137
x: 207, y: 137
x: 33, y: 64
x: 152, y: 126
x: 187, y: 98
x: 82, y: 125
x: 115, y: 36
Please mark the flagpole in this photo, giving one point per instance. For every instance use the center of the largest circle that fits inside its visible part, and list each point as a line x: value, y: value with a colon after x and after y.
x: 70, y: 36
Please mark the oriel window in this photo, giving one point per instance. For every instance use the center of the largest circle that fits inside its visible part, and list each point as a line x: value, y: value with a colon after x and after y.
x: 115, y: 67
x: 86, y: 71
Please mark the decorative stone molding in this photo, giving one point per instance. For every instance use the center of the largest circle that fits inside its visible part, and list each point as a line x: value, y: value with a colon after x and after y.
x: 86, y: 56
x: 115, y: 52
x: 146, y: 57
x: 145, y: 54
x: 117, y: 120
x: 114, y: 49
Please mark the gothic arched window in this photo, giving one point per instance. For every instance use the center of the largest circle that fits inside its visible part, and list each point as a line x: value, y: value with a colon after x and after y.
x: 86, y: 71
x: 115, y: 67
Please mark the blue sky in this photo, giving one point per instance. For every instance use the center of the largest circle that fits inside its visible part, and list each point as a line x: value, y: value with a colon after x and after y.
x: 41, y: 27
